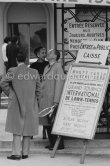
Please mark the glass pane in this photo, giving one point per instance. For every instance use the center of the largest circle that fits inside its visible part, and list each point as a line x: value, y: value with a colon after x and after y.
x: 22, y: 31
x: 31, y: 36
x: 38, y: 37
x: 24, y: 38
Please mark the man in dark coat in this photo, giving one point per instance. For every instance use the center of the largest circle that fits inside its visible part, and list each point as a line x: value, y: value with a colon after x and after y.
x: 22, y: 85
x: 11, y: 52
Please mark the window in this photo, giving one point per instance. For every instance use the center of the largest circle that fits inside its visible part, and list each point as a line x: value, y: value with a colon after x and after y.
x: 31, y: 36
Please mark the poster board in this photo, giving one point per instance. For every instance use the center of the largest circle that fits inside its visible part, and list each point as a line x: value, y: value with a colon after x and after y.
x: 85, y: 31
x: 81, y: 101
x: 98, y: 57
x: 94, y: 52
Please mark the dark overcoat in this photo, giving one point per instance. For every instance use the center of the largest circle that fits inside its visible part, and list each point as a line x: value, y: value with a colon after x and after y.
x: 11, y: 53
x: 22, y: 84
x: 52, y: 86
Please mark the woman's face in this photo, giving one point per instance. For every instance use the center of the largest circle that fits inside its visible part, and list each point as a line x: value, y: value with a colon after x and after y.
x: 42, y: 53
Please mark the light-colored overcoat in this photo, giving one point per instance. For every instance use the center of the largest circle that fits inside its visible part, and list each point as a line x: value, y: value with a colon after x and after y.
x: 52, y: 87
x: 22, y: 84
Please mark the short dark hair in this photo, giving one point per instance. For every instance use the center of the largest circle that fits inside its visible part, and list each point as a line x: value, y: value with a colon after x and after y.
x: 38, y: 49
x: 6, y: 39
x: 57, y: 53
x: 21, y: 56
x: 14, y: 39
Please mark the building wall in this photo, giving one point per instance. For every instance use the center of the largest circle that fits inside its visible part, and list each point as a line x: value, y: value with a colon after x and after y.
x: 25, y: 13
x: 2, y: 6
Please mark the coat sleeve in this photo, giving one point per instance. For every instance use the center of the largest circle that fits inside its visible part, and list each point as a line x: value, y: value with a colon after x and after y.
x: 5, y: 82
x: 59, y: 83
x: 38, y: 87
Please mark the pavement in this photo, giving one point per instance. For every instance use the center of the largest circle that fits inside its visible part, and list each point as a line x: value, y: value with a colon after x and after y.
x: 59, y: 160
x: 39, y: 156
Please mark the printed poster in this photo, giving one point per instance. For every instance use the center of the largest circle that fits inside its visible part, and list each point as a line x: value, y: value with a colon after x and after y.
x: 81, y: 101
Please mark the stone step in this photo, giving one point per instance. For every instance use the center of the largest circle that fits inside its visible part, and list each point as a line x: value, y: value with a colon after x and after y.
x: 4, y: 99
x: 66, y: 150
x: 4, y: 106
x: 72, y: 146
x: 68, y: 143
x: 4, y: 102
x: 75, y: 151
x: 34, y: 143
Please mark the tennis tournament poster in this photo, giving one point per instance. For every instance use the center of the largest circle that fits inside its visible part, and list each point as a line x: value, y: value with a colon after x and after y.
x: 81, y: 101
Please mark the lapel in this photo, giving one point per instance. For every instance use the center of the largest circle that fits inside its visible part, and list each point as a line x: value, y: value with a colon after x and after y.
x: 48, y: 69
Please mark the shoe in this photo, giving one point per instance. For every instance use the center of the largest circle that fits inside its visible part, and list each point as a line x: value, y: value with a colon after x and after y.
x: 25, y: 156
x: 47, y: 147
x: 44, y: 137
x: 14, y: 157
x: 59, y: 148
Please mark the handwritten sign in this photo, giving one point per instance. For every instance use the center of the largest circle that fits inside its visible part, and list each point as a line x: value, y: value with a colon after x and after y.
x: 92, y: 56
x: 79, y: 31
x: 95, y: 52
x: 81, y: 101
x: 95, y: 45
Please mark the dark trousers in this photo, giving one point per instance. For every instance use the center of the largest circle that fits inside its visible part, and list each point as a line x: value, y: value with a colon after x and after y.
x: 6, y: 66
x: 52, y: 138
x: 44, y: 132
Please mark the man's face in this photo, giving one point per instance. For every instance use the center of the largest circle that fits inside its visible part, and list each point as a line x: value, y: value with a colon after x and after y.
x: 42, y: 53
x: 51, y: 55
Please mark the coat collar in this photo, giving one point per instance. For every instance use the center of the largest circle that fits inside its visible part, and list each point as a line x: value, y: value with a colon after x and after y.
x: 48, y: 68
x: 19, y: 64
